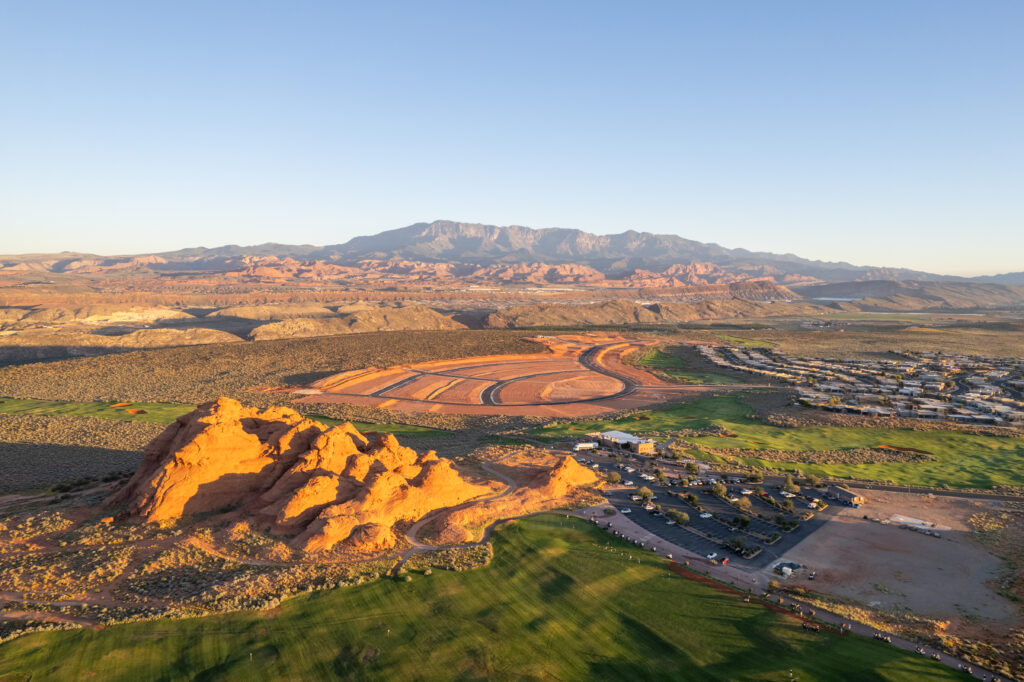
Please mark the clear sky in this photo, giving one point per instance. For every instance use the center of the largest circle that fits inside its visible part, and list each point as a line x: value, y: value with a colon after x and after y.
x: 885, y: 132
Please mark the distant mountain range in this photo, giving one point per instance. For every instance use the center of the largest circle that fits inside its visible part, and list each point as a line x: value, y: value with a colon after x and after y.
x: 614, y: 255
x: 622, y: 256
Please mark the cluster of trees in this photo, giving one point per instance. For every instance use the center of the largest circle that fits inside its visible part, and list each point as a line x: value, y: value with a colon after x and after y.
x: 680, y: 517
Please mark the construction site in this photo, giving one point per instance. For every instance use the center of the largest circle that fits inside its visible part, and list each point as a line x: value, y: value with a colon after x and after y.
x: 578, y: 376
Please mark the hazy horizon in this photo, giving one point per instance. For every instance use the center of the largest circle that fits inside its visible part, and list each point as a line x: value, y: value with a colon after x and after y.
x: 301, y: 243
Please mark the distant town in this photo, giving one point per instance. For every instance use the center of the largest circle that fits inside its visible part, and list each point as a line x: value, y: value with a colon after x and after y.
x: 967, y: 389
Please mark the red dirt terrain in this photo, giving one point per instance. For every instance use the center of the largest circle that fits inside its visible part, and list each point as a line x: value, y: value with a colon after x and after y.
x: 322, y: 485
x: 578, y: 376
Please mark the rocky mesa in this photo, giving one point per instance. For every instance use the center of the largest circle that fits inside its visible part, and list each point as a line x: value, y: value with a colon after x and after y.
x: 322, y: 486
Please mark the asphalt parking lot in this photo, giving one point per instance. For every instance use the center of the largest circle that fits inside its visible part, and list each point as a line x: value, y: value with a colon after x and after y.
x: 666, y: 496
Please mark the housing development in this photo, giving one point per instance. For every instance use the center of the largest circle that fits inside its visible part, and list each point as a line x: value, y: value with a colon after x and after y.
x: 967, y: 389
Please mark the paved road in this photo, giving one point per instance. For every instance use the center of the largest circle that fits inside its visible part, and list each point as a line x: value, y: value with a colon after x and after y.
x: 624, y: 527
x: 970, y: 494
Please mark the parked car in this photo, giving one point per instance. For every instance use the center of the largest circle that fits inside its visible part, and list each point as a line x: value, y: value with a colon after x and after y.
x: 712, y: 556
x: 706, y: 515
x: 626, y: 510
x: 746, y: 491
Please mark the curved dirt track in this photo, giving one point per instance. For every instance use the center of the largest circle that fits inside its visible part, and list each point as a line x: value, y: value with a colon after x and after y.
x: 580, y: 376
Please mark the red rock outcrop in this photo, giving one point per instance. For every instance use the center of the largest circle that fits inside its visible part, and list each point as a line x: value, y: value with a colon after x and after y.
x: 550, y: 487
x: 324, y: 485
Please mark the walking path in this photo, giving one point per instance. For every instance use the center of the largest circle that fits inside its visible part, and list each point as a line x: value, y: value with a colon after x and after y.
x: 416, y: 546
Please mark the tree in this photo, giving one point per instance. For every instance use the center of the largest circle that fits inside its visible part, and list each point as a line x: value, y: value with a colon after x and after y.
x: 788, y: 505
x: 719, y: 490
x: 755, y: 477
x: 692, y: 468
x: 680, y: 517
x: 813, y: 481
x: 614, y: 477
x: 743, y: 504
x: 660, y: 475
x: 645, y: 494
x: 789, y: 486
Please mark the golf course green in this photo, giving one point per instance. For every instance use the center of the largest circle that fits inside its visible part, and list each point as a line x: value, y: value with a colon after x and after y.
x: 679, y: 370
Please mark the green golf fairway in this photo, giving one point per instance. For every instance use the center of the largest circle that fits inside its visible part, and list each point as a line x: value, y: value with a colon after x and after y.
x: 555, y: 603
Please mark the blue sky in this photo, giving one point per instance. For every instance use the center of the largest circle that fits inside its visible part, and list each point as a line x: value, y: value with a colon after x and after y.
x: 883, y: 133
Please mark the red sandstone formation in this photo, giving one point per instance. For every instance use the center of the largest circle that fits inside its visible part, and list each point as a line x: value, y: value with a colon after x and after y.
x: 550, y: 487
x: 323, y: 485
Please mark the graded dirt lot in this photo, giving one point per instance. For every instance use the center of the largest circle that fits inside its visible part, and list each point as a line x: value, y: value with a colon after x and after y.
x: 882, y: 563
x: 578, y: 376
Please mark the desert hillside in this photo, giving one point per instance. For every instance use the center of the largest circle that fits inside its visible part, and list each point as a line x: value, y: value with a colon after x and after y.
x: 619, y: 312
x: 370, y: 320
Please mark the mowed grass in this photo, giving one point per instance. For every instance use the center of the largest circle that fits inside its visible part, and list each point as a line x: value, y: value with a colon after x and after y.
x: 677, y: 368
x: 161, y: 413
x: 962, y: 460
x: 553, y: 604
x: 749, y: 343
x: 166, y: 413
